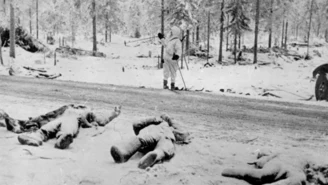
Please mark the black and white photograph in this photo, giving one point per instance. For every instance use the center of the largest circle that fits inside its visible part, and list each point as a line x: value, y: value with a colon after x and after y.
x: 163, y: 92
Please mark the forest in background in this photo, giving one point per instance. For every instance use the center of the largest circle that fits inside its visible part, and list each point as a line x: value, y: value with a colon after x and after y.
x: 230, y: 20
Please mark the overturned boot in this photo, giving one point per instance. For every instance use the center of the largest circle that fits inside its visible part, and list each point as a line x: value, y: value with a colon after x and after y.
x: 151, y: 158
x: 63, y: 140
x: 32, y: 139
x: 164, y: 150
x: 125, y: 150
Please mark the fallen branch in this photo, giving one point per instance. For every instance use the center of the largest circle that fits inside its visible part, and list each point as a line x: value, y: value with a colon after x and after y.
x: 81, y: 52
x: 53, y: 76
x: 208, y: 65
x: 197, y: 90
x: 308, y: 99
x: 250, y: 140
x: 32, y: 69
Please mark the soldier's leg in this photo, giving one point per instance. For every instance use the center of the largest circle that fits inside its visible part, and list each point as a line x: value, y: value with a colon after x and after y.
x: 164, y: 150
x: 123, y: 151
x: 36, y: 138
x: 166, y: 74
x: 181, y: 135
x: 69, y: 129
x: 50, y: 116
x: 270, y: 173
x: 103, y: 119
x: 173, y: 67
x: 139, y: 125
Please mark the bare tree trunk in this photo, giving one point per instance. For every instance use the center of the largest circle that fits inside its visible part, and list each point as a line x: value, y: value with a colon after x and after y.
x: 162, y: 30
x: 208, y: 35
x: 37, y: 19
x: 235, y: 47
x: 72, y: 29
x: 193, y: 36
x: 197, y: 36
x: 297, y: 26
x: 271, y: 24
x: 182, y: 51
x: 110, y: 33
x: 94, y: 23
x: 309, y: 31
x: 221, y: 31
x: 30, y: 13
x: 236, y: 35
x: 257, y: 17
x: 12, y: 31
x: 1, y: 60
x: 286, y: 35
x: 106, y: 33
x: 187, y: 42
x: 239, y: 41
x: 283, y: 33
x: 227, y: 39
x: 106, y: 29
x: 318, y: 29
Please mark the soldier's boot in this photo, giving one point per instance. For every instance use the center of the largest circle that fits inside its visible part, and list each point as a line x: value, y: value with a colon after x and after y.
x: 122, y: 152
x: 165, y: 84
x: 151, y: 158
x: 164, y: 150
x: 172, y: 86
x: 63, y: 140
x: 33, y: 138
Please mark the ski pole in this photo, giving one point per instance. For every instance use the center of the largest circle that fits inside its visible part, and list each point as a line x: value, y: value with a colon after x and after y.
x: 182, y: 78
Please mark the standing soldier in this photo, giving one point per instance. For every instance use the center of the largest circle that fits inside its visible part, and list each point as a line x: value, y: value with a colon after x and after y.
x: 172, y: 51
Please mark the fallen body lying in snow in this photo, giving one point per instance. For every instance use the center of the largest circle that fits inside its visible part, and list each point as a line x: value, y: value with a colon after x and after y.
x: 155, y: 137
x: 280, y: 169
x: 63, y: 124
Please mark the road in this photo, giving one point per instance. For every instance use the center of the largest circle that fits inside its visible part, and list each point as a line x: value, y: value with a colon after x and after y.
x: 198, y: 106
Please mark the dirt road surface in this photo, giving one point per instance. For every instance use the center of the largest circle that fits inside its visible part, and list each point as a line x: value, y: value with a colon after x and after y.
x: 227, y: 132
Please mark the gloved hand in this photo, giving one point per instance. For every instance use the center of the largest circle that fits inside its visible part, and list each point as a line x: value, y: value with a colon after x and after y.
x: 160, y: 36
x: 175, y: 57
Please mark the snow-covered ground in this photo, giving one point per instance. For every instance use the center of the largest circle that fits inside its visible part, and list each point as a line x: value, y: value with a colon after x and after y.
x: 286, y: 78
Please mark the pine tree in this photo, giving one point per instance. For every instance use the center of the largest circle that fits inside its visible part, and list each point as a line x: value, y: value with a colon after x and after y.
x: 239, y: 21
x: 221, y: 31
x: 257, y: 17
x: 1, y: 59
x: 94, y: 27
x: 309, y: 31
x: 37, y: 19
x: 12, y: 31
x: 271, y: 23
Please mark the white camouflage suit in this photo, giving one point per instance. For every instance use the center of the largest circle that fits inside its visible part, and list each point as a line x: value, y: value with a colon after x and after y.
x: 172, y: 45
